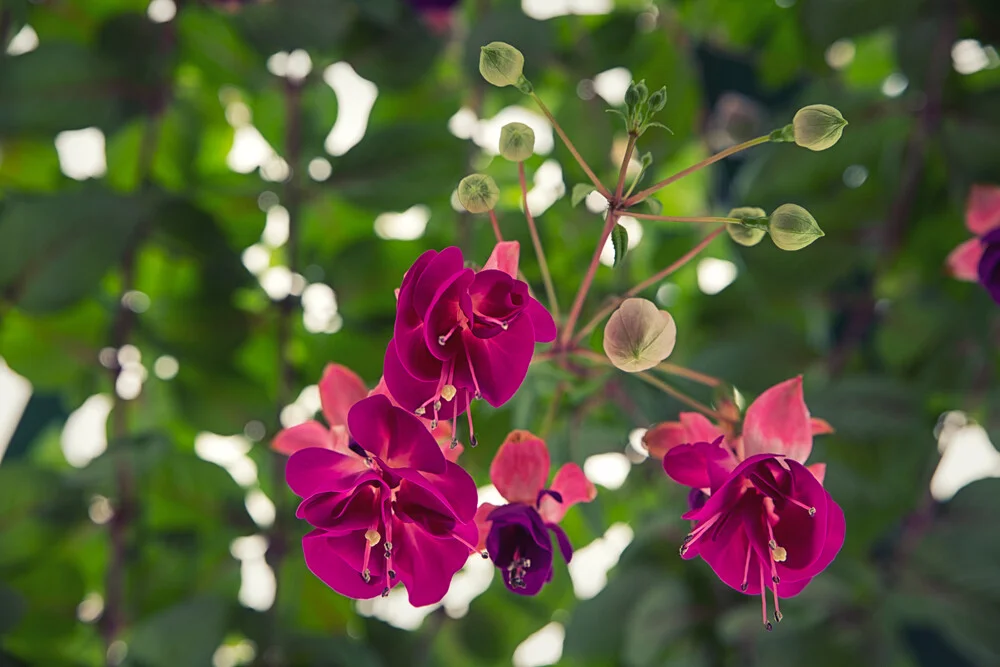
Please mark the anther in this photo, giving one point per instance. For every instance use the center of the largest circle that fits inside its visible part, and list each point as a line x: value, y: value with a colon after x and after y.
x: 504, y: 325
x: 437, y: 403
x: 772, y: 544
x: 454, y: 443
x: 688, y: 538
x: 388, y: 546
x: 478, y: 396
x: 385, y: 592
x: 776, y: 579
x: 373, y: 537
x: 778, y: 616
x: 367, y: 575
x: 473, y: 441
x: 779, y: 554
x: 442, y: 340
x: 683, y: 549
x: 744, y: 586
x: 485, y: 554
x: 434, y: 424
x: 392, y: 574
x: 448, y: 392
x: 420, y: 412
x: 812, y: 511
x: 768, y: 626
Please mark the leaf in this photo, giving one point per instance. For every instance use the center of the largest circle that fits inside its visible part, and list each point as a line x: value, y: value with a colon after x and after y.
x: 659, y: 617
x: 653, y: 205
x: 619, y: 238
x: 186, y: 634
x: 580, y: 192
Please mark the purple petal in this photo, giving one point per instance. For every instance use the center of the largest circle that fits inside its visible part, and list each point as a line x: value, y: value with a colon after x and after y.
x: 563, y: 540
x: 313, y: 470
x: 337, y: 560
x: 989, y: 264
x: 395, y: 436
x: 445, y: 314
x: 698, y: 464
x: 346, y: 512
x: 518, y: 529
x: 446, y: 264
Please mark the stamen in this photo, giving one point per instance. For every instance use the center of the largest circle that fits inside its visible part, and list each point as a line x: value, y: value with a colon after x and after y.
x: 448, y: 392
x: 366, y: 574
x: 773, y: 551
x: 442, y: 340
x: 472, y: 372
x: 373, y: 537
x: 472, y: 435
x: 471, y: 547
x: 698, y: 532
x: 420, y: 412
x: 492, y: 320
x: 517, y: 570
x: 779, y: 554
x: 746, y: 568
x: 777, y: 609
x: 388, y: 549
x: 385, y: 592
x: 763, y: 599
x: 811, y: 510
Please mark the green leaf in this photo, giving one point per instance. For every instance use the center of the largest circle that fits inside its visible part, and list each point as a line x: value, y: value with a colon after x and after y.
x: 653, y: 205
x: 619, y: 238
x: 186, y: 634
x: 580, y: 192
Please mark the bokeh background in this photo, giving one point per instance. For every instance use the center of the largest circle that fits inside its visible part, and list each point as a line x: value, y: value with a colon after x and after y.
x: 202, y: 203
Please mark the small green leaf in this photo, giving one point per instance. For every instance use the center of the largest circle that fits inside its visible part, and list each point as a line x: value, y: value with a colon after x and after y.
x: 619, y: 238
x: 655, y: 206
x: 580, y: 192
x: 656, y: 124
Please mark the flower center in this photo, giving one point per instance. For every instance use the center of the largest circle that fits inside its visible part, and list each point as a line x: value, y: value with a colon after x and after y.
x: 517, y: 570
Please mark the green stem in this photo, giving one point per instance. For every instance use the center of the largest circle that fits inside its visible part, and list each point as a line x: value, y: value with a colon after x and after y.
x: 572, y: 149
x: 550, y: 290
x: 681, y: 218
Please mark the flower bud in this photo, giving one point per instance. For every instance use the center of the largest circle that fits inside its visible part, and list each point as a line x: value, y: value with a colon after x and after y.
x: 639, y: 335
x: 642, y: 90
x: 817, y: 126
x: 742, y: 234
x: 517, y: 142
x: 631, y: 95
x: 478, y: 193
x: 501, y: 64
x: 793, y: 228
x: 658, y: 100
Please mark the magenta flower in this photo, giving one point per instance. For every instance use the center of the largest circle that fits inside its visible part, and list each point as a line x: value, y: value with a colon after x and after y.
x: 976, y: 259
x: 516, y: 535
x: 394, y: 490
x: 764, y: 521
x: 461, y: 334
x: 339, y: 389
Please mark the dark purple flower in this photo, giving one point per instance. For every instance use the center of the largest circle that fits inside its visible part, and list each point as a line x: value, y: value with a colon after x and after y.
x: 520, y: 545
x: 461, y: 333
x: 433, y: 4
x: 394, y: 508
x: 989, y: 264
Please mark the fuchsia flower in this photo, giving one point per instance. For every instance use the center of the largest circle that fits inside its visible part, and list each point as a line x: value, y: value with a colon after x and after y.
x: 763, y: 521
x: 461, y: 334
x: 516, y: 535
x: 392, y: 489
x: 978, y: 258
x: 339, y: 389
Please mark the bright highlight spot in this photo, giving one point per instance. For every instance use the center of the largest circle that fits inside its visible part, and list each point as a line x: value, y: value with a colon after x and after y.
x: 166, y: 367
x: 276, y: 228
x: 260, y: 508
x: 25, y: 41
x: 548, y: 9
x: 406, y: 226
x: 967, y: 455
x: 257, y: 258
x: 81, y: 153
x: 612, y: 84
x: 230, y: 453
x: 715, y: 275
x: 277, y: 282
x: 544, y: 647
x: 257, y: 582
x: 548, y: 187
x: 161, y: 11
x: 355, y: 99
x: 16, y: 392
x: 250, y: 150
x: 894, y: 84
x: 232, y: 655
x: 463, y: 123
x: 968, y: 56
x: 320, y: 169
x: 91, y: 608
x: 591, y: 564
x: 855, y: 176
x: 610, y: 470
x: 840, y: 54
x: 84, y: 437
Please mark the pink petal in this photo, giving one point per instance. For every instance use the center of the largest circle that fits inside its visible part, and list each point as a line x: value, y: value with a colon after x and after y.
x: 483, y: 523
x: 778, y: 422
x: 443, y: 435
x: 982, y: 209
x: 700, y: 465
x: 541, y: 322
x: 310, y: 434
x: 663, y: 437
x: 963, y: 261
x: 504, y: 258
x: 382, y: 390
x: 573, y: 486
x: 699, y: 428
x: 425, y: 563
x: 520, y: 467
x: 394, y: 435
x: 314, y: 470
x: 339, y: 389
x: 820, y: 426
x: 818, y: 470
x: 337, y: 560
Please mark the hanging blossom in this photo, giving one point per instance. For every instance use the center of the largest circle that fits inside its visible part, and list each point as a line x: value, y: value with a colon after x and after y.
x: 339, y: 389
x: 516, y: 535
x: 762, y: 519
x: 463, y: 334
x: 978, y: 259
x: 393, y: 509
x: 437, y: 14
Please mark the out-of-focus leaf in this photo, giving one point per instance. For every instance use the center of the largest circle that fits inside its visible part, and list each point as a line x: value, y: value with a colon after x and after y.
x: 186, y: 634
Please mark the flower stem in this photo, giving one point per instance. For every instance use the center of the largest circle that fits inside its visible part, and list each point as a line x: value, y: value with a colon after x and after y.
x: 680, y: 218
x: 572, y: 149
x: 651, y: 379
x: 681, y: 371
x: 496, y: 226
x: 581, y: 294
x: 639, y: 196
x: 684, y: 259
x: 624, y: 168
x: 550, y: 290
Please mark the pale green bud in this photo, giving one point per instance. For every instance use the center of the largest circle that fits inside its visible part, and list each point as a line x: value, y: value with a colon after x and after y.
x: 658, y: 100
x: 631, y: 95
x: 501, y: 64
x: 517, y: 142
x: 793, y: 228
x: 478, y: 193
x: 742, y: 234
x: 818, y: 126
x: 638, y: 336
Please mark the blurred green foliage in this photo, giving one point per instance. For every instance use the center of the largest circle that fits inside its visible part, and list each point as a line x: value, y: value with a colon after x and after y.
x: 886, y: 342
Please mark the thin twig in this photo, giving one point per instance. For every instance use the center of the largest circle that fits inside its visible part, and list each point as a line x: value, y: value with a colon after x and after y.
x: 681, y: 396
x: 543, y: 265
x: 496, y: 226
x: 588, y: 278
x: 681, y: 218
x: 681, y: 371
x: 572, y: 149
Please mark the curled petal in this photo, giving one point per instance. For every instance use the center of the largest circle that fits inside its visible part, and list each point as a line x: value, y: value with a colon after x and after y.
x: 395, y: 436
x: 541, y: 322
x: 700, y: 465
x: 521, y: 467
x: 337, y: 561
x: 310, y: 434
x: 339, y: 389
x: 778, y: 422
x: 963, y: 261
x: 982, y: 209
x: 504, y: 258
x: 455, y: 487
x: 314, y: 469
x: 346, y: 512
x: 573, y: 486
x: 445, y: 265
x: 820, y: 426
x: 565, y: 548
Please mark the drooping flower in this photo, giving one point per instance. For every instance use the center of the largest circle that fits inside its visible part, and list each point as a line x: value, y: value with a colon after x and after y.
x: 339, y: 389
x: 516, y: 535
x: 762, y: 519
x: 461, y: 333
x: 393, y: 489
x: 982, y: 218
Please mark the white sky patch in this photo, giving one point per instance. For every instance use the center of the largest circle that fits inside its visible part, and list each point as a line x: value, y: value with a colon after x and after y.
x: 277, y: 282
x: 542, y: 648
x: 548, y: 9
x: 320, y: 169
x: 320, y: 310
x: 406, y: 226
x: 634, y: 229
x: 548, y: 187
x: 161, y: 11
x: 260, y: 508
x: 715, y: 275
x: 610, y: 470
x: 25, y: 41
x: 355, y: 98
x: 257, y: 582
x: 257, y: 258
x: 84, y: 437
x: 166, y: 367
x: 612, y: 84
x: 591, y: 564
x: 487, y: 132
x: 463, y: 123
x: 81, y: 153
x: 967, y: 455
x: 16, y: 391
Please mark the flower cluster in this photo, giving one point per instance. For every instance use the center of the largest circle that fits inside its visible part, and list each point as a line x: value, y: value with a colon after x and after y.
x: 978, y: 259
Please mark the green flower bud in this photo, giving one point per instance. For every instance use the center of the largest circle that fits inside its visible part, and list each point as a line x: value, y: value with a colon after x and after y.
x: 658, y: 100
x: 501, y: 64
x: 478, y: 193
x: 742, y: 234
x: 517, y: 142
x: 793, y: 228
x: 638, y: 336
x: 631, y: 95
x: 817, y: 126
x: 642, y: 90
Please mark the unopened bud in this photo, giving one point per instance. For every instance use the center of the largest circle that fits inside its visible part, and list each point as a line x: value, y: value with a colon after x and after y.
x: 631, y: 95
x: 743, y: 234
x: 638, y: 336
x: 501, y: 64
x: 642, y: 90
x: 658, y: 100
x: 793, y: 228
x: 517, y: 142
x: 818, y: 126
x: 478, y: 193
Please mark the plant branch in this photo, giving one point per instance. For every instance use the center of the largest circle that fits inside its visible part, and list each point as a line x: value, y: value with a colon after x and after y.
x: 651, y: 379
x: 550, y: 290
x: 624, y: 168
x: 680, y: 218
x: 681, y: 371
x: 642, y: 194
x: 496, y: 226
x: 588, y: 278
x: 572, y: 149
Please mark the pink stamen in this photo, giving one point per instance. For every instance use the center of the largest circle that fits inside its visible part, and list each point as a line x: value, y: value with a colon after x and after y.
x: 471, y: 546
x: 472, y: 434
x: 763, y: 599
x: 472, y: 372
x: 746, y: 567
x: 442, y: 340
x: 698, y: 532
x: 811, y: 510
x: 492, y: 320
